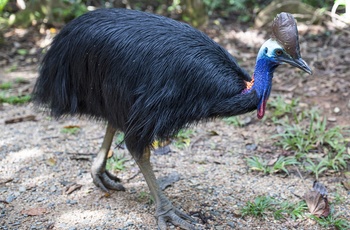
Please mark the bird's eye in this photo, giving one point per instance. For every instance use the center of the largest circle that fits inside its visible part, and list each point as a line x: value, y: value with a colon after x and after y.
x: 279, y: 52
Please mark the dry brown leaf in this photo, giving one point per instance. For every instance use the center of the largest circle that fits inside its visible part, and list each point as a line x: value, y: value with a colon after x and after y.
x: 20, y: 119
x: 71, y: 188
x: 346, y: 184
x: 71, y: 126
x: 347, y: 175
x: 34, y: 211
x: 272, y: 161
x: 110, y: 154
x: 317, y: 201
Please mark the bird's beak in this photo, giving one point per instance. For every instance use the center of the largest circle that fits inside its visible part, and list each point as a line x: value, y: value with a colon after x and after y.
x: 298, y: 62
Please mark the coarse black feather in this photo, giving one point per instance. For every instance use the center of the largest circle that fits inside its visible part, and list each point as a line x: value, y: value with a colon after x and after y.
x: 147, y: 75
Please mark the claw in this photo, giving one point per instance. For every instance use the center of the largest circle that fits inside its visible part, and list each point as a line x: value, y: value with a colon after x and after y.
x: 107, y: 181
x: 176, y: 217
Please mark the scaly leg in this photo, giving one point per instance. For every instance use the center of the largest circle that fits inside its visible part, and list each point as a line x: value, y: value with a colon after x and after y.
x: 165, y: 211
x: 101, y: 177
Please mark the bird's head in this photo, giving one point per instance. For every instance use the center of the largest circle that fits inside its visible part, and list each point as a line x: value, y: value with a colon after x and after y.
x: 282, y: 47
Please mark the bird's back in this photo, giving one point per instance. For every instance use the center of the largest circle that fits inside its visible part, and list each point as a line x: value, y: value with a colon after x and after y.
x: 146, y: 74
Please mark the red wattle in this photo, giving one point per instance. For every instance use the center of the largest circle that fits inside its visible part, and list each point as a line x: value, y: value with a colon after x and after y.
x: 261, y: 110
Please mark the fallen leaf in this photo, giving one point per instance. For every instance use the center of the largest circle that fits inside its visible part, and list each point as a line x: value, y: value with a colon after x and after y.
x: 110, y: 154
x: 317, y: 201
x: 272, y: 161
x: 346, y: 184
x: 34, y: 211
x: 5, y: 180
x: 71, y: 126
x: 71, y: 188
x: 347, y: 175
x: 51, y: 161
x: 20, y: 119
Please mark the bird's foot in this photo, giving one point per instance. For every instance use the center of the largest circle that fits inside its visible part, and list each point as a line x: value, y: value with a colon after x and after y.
x: 175, y: 217
x: 105, y: 180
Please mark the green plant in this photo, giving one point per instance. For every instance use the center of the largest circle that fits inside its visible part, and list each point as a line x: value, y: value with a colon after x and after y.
x: 259, y: 207
x: 2, y: 4
x: 14, y: 99
x: 183, y: 138
x: 316, y: 169
x: 6, y: 85
x: 336, y: 161
x: 281, y: 108
x: 258, y: 164
x: 71, y: 130
x: 282, y: 162
x: 302, y: 139
x: 116, y: 163
x: 144, y: 195
x: 332, y: 222
x: 295, y: 211
x: 234, y: 120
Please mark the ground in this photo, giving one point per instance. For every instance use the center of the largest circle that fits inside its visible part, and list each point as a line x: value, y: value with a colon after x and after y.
x: 45, y: 173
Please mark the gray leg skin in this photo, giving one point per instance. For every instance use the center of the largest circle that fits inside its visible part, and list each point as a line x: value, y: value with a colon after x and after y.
x: 101, y: 177
x: 165, y: 211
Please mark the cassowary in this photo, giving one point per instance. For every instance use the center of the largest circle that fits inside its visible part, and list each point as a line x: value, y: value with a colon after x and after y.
x: 149, y: 76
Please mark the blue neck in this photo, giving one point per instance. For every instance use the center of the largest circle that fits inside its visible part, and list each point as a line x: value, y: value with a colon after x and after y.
x: 263, y: 75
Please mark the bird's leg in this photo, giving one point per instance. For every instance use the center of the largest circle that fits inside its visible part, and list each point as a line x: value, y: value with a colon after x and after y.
x: 101, y: 177
x: 165, y: 211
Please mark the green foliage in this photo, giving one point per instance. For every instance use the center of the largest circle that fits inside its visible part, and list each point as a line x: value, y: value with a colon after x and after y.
x: 316, y: 169
x: 71, y: 130
x: 14, y: 99
x: 280, y: 107
x: 332, y: 221
x: 259, y: 207
x: 302, y: 139
x: 116, y: 163
x: 145, y: 195
x: 6, y: 85
x: 234, y: 120
x: 264, y: 205
x: 183, y: 138
x: 295, y: 211
x: 282, y: 162
x: 258, y: 164
x: 245, y: 8
x: 2, y: 4
x: 336, y: 161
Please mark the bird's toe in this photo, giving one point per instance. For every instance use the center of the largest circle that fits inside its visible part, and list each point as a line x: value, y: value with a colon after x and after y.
x: 107, y: 181
x: 177, y: 218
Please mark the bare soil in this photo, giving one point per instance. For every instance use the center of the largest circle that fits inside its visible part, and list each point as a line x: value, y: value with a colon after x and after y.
x: 39, y: 163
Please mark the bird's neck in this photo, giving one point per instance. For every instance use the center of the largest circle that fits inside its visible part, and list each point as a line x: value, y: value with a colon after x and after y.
x: 262, y: 82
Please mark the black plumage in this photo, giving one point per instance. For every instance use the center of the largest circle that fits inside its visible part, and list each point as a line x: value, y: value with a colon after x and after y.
x: 147, y: 75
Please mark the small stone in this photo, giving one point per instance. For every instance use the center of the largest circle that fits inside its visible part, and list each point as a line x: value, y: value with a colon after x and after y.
x: 231, y: 224
x: 336, y: 110
x: 39, y: 199
x: 251, y: 147
x: 10, y: 198
x: 72, y: 228
x: 53, y: 188
x: 22, y: 189
x: 332, y: 119
x: 71, y: 202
